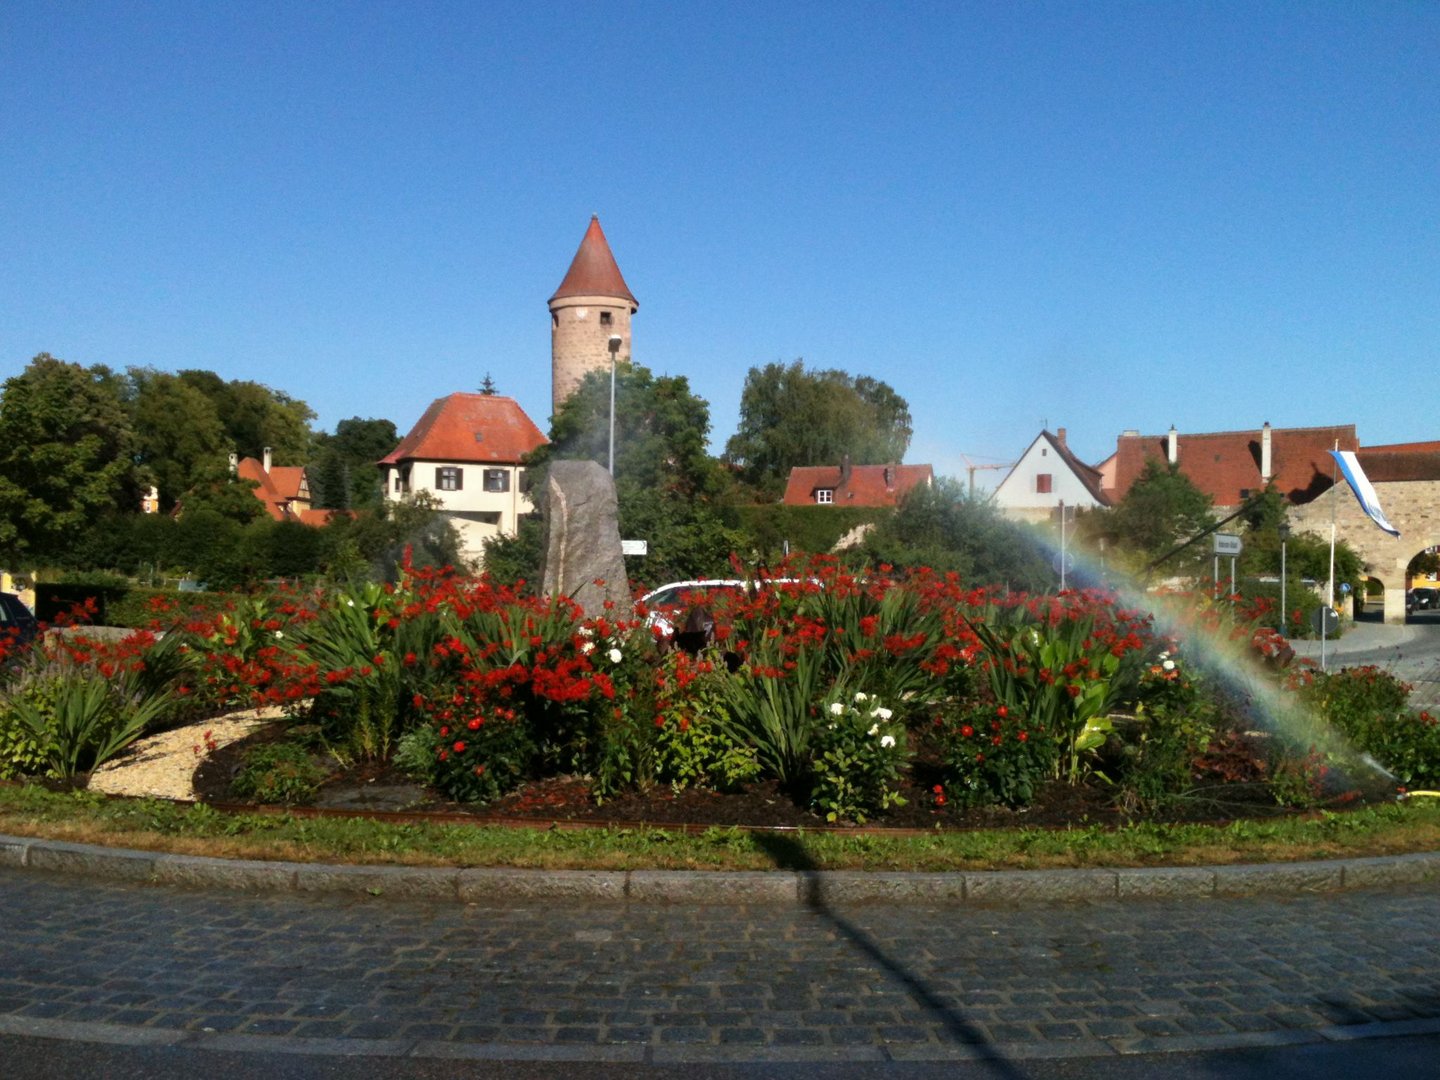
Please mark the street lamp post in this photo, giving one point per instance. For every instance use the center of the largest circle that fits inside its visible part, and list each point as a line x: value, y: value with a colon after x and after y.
x: 1284, y: 530
x: 614, y: 344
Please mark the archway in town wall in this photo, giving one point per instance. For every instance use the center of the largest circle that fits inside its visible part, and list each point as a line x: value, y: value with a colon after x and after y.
x: 1413, y: 507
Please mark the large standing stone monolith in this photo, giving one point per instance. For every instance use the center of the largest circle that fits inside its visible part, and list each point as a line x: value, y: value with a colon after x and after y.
x: 583, y: 538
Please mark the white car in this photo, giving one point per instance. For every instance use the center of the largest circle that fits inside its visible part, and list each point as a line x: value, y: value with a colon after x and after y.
x: 669, y: 604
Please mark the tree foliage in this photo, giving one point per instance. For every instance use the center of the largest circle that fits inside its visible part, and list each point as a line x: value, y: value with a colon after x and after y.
x: 343, y: 473
x: 791, y: 416
x: 669, y: 489
x: 67, y: 456
x: 1162, y: 509
x: 255, y: 416
x: 179, y: 436
x: 944, y: 527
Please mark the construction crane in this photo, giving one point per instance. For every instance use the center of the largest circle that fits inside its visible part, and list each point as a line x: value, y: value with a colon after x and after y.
x: 971, y: 466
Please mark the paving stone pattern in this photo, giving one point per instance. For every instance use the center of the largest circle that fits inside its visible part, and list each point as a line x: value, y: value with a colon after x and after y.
x: 599, y: 977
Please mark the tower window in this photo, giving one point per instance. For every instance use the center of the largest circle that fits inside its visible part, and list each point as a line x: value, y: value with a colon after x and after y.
x: 604, y: 318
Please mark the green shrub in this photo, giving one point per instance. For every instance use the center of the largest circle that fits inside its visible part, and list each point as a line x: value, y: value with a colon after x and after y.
x: 990, y: 757
x: 693, y: 747
x: 21, y: 754
x: 859, y: 756
x: 1370, y: 707
x: 480, y: 759
x: 279, y: 772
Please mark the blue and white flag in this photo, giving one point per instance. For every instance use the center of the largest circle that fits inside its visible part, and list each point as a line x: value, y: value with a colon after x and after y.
x: 1364, y: 490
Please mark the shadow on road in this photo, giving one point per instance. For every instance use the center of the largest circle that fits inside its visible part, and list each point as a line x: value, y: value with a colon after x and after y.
x: 789, y: 853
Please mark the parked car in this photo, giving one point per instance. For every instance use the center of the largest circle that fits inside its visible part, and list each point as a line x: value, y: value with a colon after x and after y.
x: 1422, y: 600
x: 669, y: 606
x: 17, y: 622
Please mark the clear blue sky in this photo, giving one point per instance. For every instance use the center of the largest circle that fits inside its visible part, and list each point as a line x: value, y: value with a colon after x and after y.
x: 1092, y: 215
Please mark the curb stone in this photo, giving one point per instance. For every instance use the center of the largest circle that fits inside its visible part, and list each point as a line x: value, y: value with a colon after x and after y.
x: 1008, y: 888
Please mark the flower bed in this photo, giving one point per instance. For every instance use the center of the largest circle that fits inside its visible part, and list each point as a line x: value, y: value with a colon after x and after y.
x: 850, y: 698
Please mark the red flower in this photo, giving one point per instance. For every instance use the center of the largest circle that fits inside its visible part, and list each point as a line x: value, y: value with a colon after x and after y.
x: 459, y: 747
x: 966, y: 730
x: 1024, y: 736
x: 1002, y: 711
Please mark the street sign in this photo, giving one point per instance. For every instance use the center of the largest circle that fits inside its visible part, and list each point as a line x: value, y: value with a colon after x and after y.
x: 634, y: 547
x: 1227, y: 544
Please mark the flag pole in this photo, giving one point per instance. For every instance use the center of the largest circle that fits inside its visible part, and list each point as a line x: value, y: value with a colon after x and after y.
x: 1330, y: 582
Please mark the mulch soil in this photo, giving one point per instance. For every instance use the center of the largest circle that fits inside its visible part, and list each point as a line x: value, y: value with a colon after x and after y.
x: 759, y: 805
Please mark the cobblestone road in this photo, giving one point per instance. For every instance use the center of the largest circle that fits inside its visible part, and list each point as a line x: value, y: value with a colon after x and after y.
x: 713, y: 980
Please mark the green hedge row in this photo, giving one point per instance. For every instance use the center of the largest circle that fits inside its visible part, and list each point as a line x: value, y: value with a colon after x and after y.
x: 127, y: 606
x: 814, y: 529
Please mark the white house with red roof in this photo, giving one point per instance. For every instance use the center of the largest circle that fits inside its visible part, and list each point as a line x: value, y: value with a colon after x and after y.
x: 467, y: 451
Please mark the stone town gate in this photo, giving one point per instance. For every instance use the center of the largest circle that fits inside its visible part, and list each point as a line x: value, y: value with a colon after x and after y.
x: 1413, y: 507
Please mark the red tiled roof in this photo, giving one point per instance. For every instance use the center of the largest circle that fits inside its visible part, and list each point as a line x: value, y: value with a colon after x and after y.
x: 866, y: 485
x: 593, y: 271
x: 277, y: 488
x: 1392, y: 464
x: 1404, y: 447
x: 1223, y: 464
x: 469, y: 427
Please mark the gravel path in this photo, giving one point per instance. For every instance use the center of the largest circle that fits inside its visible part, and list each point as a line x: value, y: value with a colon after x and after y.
x: 162, y: 766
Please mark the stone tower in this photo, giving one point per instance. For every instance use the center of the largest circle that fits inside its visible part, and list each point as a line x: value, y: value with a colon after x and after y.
x: 592, y: 305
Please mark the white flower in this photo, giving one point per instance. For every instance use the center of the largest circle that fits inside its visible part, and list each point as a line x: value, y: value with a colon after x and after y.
x: 887, y: 741
x: 585, y: 631
x: 279, y: 633
x: 874, y: 730
x: 615, y: 656
x: 349, y: 603
x: 883, y: 714
x: 861, y: 696
x: 587, y: 647
x: 836, y: 709
x: 1168, y: 665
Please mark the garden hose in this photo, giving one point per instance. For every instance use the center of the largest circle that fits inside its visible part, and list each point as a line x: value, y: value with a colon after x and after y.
x: 1413, y: 794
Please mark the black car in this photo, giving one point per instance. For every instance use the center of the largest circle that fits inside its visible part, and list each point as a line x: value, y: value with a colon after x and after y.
x: 17, y: 624
x: 1422, y: 600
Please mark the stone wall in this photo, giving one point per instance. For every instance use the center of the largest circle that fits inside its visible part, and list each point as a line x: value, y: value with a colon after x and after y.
x: 580, y: 340
x: 1413, y: 507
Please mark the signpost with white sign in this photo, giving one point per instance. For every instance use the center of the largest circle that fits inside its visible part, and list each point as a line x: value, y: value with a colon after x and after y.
x: 1231, y: 545
x: 634, y: 547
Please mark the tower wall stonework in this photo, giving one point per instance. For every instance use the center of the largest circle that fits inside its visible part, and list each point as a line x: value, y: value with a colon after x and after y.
x: 580, y: 339
x: 1413, y: 507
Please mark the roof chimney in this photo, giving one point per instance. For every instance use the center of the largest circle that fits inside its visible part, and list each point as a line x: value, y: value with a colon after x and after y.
x: 1060, y: 438
x: 1172, y: 446
x: 267, y: 461
x: 234, y: 462
x: 844, y: 470
x: 889, y: 477
x: 1265, y: 471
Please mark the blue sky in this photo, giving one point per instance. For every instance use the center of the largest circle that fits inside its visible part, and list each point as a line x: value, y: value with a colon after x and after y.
x: 1093, y: 215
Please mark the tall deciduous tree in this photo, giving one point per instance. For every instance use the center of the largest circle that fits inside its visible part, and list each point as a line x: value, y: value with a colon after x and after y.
x: 668, y: 487
x: 178, y: 433
x: 255, y: 416
x: 343, y: 474
x: 1162, y: 509
x: 67, y: 456
x: 791, y: 416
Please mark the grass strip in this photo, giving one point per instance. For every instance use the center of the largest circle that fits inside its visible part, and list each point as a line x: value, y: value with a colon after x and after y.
x: 153, y: 825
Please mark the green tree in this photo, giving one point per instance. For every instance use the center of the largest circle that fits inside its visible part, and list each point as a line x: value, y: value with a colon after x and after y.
x: 1162, y: 509
x: 67, y: 457
x: 791, y: 416
x: 670, y: 491
x: 948, y: 529
x: 178, y: 433
x: 343, y: 473
x: 255, y: 416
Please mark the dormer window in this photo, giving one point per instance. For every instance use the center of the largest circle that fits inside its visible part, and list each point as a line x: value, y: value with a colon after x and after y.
x: 605, y: 318
x: 824, y: 496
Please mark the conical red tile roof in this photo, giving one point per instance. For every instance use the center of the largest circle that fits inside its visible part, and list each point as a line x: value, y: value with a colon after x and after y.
x: 593, y: 272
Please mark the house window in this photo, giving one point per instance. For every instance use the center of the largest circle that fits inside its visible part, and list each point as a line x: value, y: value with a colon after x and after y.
x: 447, y: 478
x: 1043, y: 483
x: 824, y: 496
x: 604, y: 318
x: 497, y: 479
